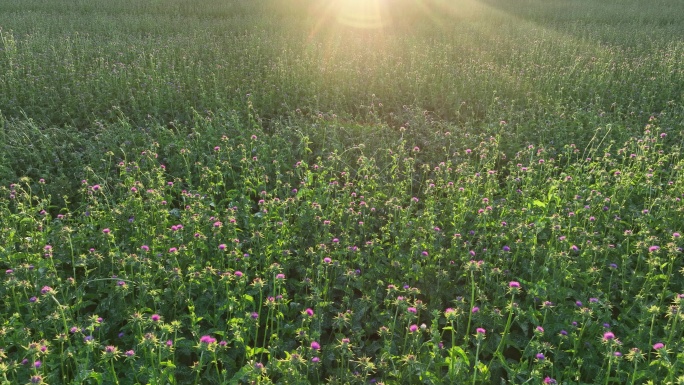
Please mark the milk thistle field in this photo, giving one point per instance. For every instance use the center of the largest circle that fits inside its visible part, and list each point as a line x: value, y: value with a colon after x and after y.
x: 341, y: 192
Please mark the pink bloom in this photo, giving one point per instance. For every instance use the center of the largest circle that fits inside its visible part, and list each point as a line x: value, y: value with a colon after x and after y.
x: 207, y: 340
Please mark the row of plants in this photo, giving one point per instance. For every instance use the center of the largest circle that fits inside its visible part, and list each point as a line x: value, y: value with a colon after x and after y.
x: 248, y: 259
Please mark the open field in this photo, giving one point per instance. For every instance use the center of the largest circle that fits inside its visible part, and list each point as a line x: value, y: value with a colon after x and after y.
x: 346, y: 192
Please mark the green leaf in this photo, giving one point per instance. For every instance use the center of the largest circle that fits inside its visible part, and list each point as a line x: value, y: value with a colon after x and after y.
x: 168, y: 364
x: 97, y: 376
x: 239, y: 375
x: 457, y: 350
x: 251, y: 352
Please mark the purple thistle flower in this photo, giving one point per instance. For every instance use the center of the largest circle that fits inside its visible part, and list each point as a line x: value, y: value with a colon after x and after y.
x: 207, y: 340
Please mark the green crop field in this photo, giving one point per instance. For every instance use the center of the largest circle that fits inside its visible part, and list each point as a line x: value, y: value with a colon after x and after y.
x: 341, y: 192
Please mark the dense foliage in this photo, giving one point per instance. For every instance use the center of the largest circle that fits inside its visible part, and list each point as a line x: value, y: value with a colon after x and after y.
x: 267, y: 192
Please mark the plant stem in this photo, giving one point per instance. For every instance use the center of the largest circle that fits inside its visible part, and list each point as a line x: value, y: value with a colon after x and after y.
x: 477, y: 360
x: 497, y: 353
x: 472, y: 304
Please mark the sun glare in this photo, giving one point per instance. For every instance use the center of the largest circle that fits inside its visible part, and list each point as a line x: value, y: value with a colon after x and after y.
x: 380, y: 14
x: 366, y: 14
x: 356, y: 14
